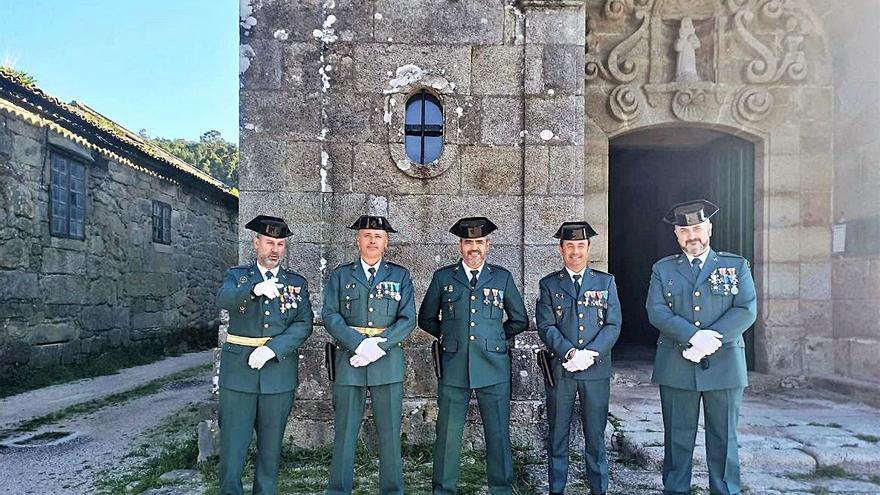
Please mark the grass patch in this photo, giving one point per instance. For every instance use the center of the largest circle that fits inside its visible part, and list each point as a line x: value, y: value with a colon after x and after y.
x: 822, y: 471
x: 868, y: 438
x: 306, y: 470
x: 148, y: 388
x: 19, y: 379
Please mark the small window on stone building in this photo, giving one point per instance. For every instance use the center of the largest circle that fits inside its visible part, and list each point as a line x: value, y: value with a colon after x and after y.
x: 161, y: 222
x: 423, y: 128
x: 67, y: 197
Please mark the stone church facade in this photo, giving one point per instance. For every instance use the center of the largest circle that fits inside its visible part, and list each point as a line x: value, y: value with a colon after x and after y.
x: 555, y: 110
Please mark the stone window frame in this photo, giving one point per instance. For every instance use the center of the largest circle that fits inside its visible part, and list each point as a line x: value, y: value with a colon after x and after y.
x: 424, y: 95
x: 161, y: 222
x: 55, y: 182
x: 440, y: 88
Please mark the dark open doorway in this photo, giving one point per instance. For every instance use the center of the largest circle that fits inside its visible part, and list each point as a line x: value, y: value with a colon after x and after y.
x: 651, y: 170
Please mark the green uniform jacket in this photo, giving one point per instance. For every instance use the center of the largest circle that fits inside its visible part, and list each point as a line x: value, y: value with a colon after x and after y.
x: 251, y: 316
x: 389, y: 304
x: 589, y: 320
x: 469, y: 324
x: 678, y: 306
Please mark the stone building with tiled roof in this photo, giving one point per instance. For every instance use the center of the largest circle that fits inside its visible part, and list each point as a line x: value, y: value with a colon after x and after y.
x: 106, y: 241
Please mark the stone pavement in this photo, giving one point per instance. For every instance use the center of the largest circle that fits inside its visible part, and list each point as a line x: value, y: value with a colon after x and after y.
x: 791, y: 440
x: 40, y: 402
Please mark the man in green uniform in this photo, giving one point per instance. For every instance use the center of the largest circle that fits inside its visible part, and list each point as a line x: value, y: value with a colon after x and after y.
x: 368, y: 309
x: 270, y: 317
x: 702, y: 302
x: 578, y: 317
x: 464, y: 308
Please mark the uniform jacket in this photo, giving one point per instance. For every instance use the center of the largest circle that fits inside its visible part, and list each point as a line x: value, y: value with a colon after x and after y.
x: 589, y: 319
x: 388, y: 303
x: 251, y: 316
x: 718, y: 299
x: 469, y: 323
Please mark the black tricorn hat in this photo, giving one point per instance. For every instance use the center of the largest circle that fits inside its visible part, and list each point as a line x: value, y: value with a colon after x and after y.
x: 269, y: 226
x: 473, y: 227
x: 373, y: 223
x: 575, y: 231
x: 690, y: 213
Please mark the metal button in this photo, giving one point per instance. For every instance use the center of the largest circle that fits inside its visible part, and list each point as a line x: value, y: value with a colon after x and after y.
x: 697, y: 323
x: 473, y: 298
x: 371, y: 296
x: 473, y: 324
x: 696, y: 308
x: 267, y: 302
x: 669, y: 294
x: 265, y: 325
x: 581, y: 328
x: 472, y: 337
x: 369, y: 323
x: 580, y: 341
x: 347, y: 298
x: 697, y: 293
x: 601, y: 322
x: 580, y: 315
x: 497, y: 348
x: 370, y: 310
x: 267, y: 313
x: 444, y: 347
x: 580, y: 302
x: 473, y: 310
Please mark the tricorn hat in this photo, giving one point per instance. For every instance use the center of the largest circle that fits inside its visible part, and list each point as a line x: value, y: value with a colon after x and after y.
x: 269, y: 226
x: 473, y: 227
x: 690, y: 213
x: 373, y: 223
x: 574, y: 231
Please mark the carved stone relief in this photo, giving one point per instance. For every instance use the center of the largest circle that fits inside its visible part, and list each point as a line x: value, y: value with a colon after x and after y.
x: 689, y: 66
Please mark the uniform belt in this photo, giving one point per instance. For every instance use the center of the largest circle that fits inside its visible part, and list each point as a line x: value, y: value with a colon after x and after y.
x: 369, y: 331
x: 248, y: 341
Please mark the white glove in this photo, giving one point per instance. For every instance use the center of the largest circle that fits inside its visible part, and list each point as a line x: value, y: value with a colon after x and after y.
x: 582, y: 359
x: 259, y: 357
x: 370, y: 349
x: 268, y: 288
x: 706, y: 341
x: 358, y: 361
x: 693, y: 355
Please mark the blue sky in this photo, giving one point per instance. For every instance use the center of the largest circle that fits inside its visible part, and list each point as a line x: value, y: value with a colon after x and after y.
x: 167, y: 66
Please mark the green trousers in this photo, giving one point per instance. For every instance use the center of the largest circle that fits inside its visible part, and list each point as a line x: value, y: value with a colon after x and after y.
x: 494, y: 402
x: 348, y: 408
x: 240, y: 414
x: 594, y: 396
x: 681, y: 412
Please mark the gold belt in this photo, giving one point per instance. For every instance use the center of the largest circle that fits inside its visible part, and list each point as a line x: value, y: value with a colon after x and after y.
x: 248, y: 341
x: 369, y: 331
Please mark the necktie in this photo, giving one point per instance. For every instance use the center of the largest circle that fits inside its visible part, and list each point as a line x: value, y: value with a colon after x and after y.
x: 695, y: 265
x: 372, y: 276
x: 268, y: 275
x: 577, y: 284
x: 474, y: 278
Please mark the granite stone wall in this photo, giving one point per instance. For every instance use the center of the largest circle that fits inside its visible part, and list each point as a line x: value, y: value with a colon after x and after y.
x: 62, y: 300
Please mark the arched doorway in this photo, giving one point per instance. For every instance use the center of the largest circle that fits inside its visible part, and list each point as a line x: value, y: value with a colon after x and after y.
x: 652, y: 169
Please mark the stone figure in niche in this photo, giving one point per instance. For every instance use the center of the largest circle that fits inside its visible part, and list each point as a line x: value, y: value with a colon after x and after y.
x: 686, y: 46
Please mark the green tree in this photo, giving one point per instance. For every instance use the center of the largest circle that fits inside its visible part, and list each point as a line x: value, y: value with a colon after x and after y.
x: 211, y: 154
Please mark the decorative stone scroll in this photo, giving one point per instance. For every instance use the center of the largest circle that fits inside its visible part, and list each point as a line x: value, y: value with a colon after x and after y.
x: 685, y: 42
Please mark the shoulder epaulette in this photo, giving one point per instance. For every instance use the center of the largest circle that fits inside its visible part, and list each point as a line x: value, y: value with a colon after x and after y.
x: 499, y: 268
x: 395, y: 265
x: 669, y: 258
x: 729, y: 254
x: 555, y: 274
x: 600, y: 272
